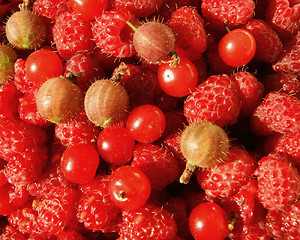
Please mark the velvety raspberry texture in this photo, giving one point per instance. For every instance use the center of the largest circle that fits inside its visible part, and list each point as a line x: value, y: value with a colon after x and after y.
x: 233, y: 12
x: 158, y: 164
x: 289, y: 60
x: 51, y: 8
x: 79, y: 130
x: 112, y: 34
x: 16, y: 136
x: 268, y: 43
x: 188, y: 28
x: 148, y: 222
x: 250, y: 89
x: 139, y: 8
x: 95, y: 208
x: 277, y: 113
x: 216, y: 99
x: 72, y: 34
x: 225, y: 179
x: 278, y: 182
x: 288, y: 83
x: 283, y: 16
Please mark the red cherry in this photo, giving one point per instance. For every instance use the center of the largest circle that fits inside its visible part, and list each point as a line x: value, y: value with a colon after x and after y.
x: 79, y: 163
x: 237, y: 47
x: 207, y: 221
x: 179, y: 80
x: 89, y: 9
x: 42, y: 65
x: 115, y: 145
x: 146, y: 123
x: 129, y: 187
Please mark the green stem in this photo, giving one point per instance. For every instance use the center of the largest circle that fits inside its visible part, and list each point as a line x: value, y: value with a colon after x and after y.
x: 131, y: 25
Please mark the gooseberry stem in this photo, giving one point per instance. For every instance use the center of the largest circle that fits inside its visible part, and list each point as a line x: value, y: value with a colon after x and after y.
x: 131, y: 25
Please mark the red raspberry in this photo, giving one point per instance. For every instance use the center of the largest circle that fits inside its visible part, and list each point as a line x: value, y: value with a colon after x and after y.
x: 226, y: 178
x: 112, y: 34
x: 79, y: 130
x: 70, y: 235
x: 268, y: 44
x: 277, y: 113
x: 285, y: 224
x: 139, y: 8
x: 250, y: 89
x: 289, y: 60
x: 188, y: 27
x: 149, y: 222
x: 9, y: 103
x: 85, y: 69
x: 290, y: 144
x: 233, y: 12
x: 278, y: 182
x: 283, y: 17
x: 288, y: 83
x: 95, y: 208
x: 51, y: 8
x: 216, y: 99
x: 72, y: 34
x: 28, y: 166
x: 158, y: 164
x: 141, y: 84
x: 22, y: 81
x: 16, y: 136
x: 28, y: 111
x: 12, y: 234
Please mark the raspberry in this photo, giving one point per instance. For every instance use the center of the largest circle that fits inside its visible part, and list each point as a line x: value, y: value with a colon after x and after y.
x: 288, y: 83
x: 85, y: 69
x: 149, y: 222
x: 277, y: 113
x: 9, y: 95
x: 289, y: 60
x: 26, y: 167
x: 158, y: 164
x: 79, y: 130
x: 285, y: 224
x: 72, y: 34
x: 28, y: 111
x: 22, y: 81
x: 51, y: 8
x: 233, y: 12
x: 278, y: 182
x: 250, y: 89
x: 226, y: 178
x: 112, y: 34
x: 16, y: 136
x: 268, y: 44
x: 95, y: 208
x: 138, y: 8
x: 190, y: 35
x: 283, y: 17
x: 216, y: 100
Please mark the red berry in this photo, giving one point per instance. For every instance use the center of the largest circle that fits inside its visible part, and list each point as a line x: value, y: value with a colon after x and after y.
x: 89, y: 9
x: 237, y: 48
x: 129, y: 187
x: 74, y: 163
x: 146, y: 123
x: 115, y: 145
x: 208, y: 221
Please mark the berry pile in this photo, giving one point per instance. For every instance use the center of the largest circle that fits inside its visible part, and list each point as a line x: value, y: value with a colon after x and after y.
x: 150, y: 119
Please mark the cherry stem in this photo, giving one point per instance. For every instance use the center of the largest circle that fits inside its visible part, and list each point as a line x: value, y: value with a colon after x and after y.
x: 226, y: 26
x: 187, y: 173
x: 121, y: 71
x: 131, y: 25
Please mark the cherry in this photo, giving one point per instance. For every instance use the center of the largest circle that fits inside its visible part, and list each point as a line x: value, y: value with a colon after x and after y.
x: 208, y: 221
x: 115, y: 145
x: 42, y: 65
x: 146, y: 123
x: 79, y: 163
x: 129, y: 187
x: 89, y: 9
x: 178, y: 80
x: 237, y: 47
